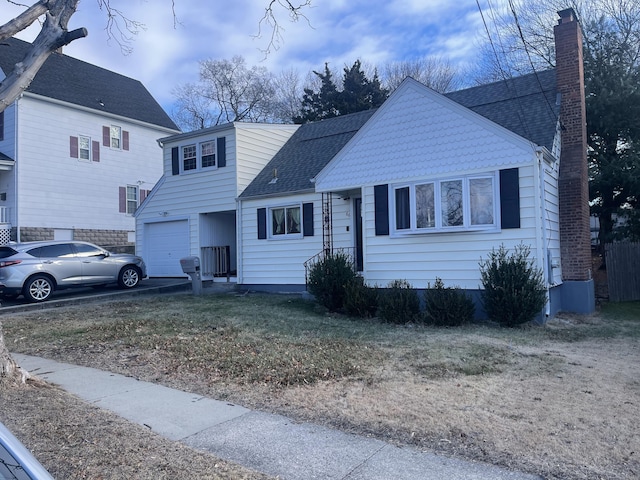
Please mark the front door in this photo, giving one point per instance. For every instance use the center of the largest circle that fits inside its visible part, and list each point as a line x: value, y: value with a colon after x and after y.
x: 357, y: 228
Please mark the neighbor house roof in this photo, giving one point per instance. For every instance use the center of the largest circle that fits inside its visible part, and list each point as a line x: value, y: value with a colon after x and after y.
x: 307, y: 152
x: 525, y: 105
x: 71, y: 80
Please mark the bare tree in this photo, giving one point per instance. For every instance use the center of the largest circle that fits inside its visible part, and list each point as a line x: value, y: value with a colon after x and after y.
x: 435, y: 72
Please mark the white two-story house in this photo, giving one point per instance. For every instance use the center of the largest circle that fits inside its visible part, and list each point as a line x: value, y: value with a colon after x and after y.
x: 78, y: 152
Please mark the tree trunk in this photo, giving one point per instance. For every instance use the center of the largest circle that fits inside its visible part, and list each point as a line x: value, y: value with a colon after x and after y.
x: 9, y: 369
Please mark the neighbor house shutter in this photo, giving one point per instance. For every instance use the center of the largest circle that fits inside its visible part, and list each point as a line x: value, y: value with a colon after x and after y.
x: 106, y: 136
x: 307, y: 219
x: 95, y: 150
x: 73, y: 147
x: 143, y: 195
x: 222, y: 151
x: 510, y: 198
x: 262, y: 223
x: 175, y: 161
x: 381, y: 204
x: 125, y: 140
x: 122, y: 194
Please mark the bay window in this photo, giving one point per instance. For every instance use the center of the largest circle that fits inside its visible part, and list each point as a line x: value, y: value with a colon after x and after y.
x: 467, y: 203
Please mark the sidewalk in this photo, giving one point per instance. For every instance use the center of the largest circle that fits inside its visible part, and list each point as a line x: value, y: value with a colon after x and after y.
x: 271, y: 444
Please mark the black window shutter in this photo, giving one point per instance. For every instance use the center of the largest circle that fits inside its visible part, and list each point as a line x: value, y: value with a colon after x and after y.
x: 262, y: 223
x: 307, y: 219
x: 381, y: 203
x: 510, y: 198
x: 175, y: 161
x: 106, y: 136
x: 222, y: 151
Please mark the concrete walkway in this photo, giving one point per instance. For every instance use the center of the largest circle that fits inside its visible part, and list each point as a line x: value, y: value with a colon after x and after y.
x: 268, y: 443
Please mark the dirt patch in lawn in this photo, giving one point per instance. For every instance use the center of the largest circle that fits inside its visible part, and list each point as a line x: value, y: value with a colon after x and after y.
x: 561, y: 401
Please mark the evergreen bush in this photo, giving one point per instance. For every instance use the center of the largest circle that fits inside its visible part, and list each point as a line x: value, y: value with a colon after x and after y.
x: 399, y: 303
x: 328, y: 278
x: 514, y: 290
x: 447, y: 306
x: 360, y: 300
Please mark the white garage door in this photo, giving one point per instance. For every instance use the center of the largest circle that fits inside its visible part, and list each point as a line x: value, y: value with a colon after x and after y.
x: 165, y: 244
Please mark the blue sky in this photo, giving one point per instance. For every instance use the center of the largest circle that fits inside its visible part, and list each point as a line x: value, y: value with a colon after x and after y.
x: 337, y: 31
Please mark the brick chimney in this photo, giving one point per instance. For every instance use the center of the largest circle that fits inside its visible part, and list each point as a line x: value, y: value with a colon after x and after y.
x: 573, y: 183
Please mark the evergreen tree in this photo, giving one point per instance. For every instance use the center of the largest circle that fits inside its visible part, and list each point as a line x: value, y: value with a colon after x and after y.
x: 322, y: 104
x: 358, y: 93
x: 612, y: 77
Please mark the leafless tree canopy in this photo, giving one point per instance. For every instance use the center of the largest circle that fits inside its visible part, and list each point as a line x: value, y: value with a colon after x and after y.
x: 435, y: 72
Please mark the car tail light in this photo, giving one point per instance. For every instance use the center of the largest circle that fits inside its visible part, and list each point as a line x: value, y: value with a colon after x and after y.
x: 8, y: 263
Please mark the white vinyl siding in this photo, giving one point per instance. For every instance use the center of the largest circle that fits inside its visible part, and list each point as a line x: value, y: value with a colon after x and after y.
x: 453, y: 256
x: 210, y: 191
x: 45, y: 175
x: 266, y: 262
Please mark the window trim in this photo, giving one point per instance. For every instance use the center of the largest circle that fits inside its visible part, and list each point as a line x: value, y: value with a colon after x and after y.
x: 285, y: 235
x: 437, y: 206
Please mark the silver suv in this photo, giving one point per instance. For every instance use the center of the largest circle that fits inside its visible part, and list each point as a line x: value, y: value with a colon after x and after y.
x: 36, y: 269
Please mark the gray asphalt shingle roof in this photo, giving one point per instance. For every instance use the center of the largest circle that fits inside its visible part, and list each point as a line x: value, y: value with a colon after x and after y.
x: 307, y: 152
x: 80, y: 83
x: 525, y: 105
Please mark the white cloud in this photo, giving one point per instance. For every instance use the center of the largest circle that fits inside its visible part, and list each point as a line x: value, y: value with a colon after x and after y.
x: 334, y: 31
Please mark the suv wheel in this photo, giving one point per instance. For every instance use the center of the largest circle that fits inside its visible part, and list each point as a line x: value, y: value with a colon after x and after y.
x: 38, y: 288
x: 129, y: 277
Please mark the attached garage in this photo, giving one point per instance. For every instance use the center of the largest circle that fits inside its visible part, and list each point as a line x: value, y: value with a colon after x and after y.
x: 165, y: 244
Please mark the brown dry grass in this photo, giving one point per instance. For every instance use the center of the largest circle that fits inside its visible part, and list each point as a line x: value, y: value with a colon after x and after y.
x: 561, y: 401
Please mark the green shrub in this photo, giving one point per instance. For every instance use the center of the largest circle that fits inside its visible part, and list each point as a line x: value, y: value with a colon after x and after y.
x: 328, y: 277
x: 360, y: 300
x: 514, y: 290
x: 399, y: 303
x: 447, y: 306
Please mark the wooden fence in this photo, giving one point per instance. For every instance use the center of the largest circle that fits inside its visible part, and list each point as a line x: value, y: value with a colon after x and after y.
x: 623, y: 271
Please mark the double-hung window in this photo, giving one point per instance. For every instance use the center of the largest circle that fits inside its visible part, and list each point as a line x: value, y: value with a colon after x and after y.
x: 467, y: 203
x: 132, y: 199
x: 285, y: 221
x: 189, y: 160
x: 115, y: 134
x: 84, y: 148
x: 208, y: 154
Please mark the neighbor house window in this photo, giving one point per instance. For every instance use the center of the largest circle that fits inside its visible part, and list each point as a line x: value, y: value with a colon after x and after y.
x: 132, y: 199
x: 189, y: 158
x: 451, y: 204
x: 84, y: 148
x: 285, y: 221
x: 208, y: 154
x: 115, y: 134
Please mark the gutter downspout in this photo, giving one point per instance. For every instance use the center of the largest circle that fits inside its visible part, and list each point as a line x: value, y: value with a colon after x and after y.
x: 15, y: 167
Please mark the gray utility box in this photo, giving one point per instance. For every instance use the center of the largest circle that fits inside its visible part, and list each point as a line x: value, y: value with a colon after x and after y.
x: 191, y: 266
